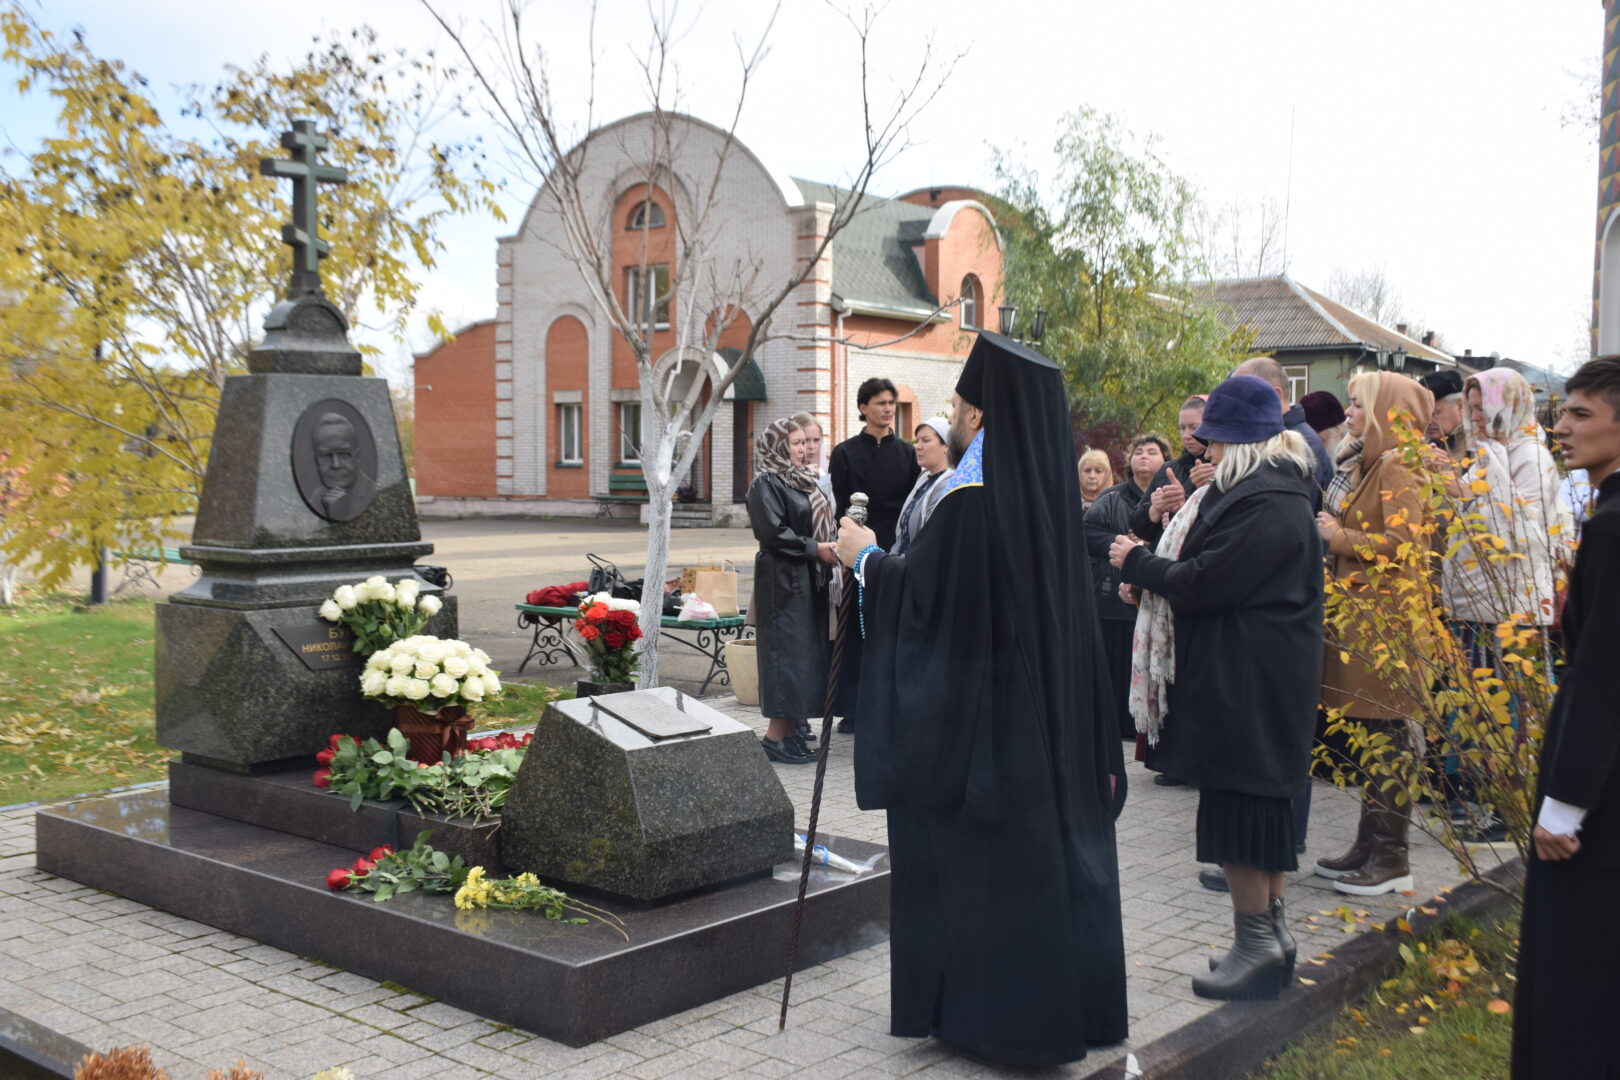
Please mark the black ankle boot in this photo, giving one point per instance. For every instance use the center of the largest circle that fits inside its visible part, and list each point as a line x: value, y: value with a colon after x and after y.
x: 807, y: 734
x: 1253, y: 969
x: 788, y: 751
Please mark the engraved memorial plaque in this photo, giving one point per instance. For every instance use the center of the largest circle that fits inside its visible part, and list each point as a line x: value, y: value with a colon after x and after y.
x: 650, y: 716
x: 321, y: 645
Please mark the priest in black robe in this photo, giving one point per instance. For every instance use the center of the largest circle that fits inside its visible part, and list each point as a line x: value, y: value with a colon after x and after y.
x: 987, y: 734
x: 1568, y: 993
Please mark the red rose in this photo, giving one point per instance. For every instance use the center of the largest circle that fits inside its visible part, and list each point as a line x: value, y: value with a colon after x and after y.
x: 614, y: 639
x: 589, y: 633
x: 596, y: 612
x: 579, y: 624
x: 322, y: 778
x: 635, y: 633
x: 363, y: 866
x: 378, y: 854
x: 622, y: 618
x: 338, y: 880
x: 527, y: 739
x: 335, y: 741
x: 325, y: 756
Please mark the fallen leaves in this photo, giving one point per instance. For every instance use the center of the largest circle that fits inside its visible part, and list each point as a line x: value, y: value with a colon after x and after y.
x: 1499, y: 1007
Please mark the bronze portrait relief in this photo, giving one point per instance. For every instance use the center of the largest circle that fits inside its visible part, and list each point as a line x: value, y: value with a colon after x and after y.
x: 334, y: 459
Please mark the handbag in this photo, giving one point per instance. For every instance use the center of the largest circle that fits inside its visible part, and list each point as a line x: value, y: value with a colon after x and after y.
x: 606, y: 578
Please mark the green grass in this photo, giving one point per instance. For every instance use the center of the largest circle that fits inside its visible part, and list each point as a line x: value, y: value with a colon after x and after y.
x: 76, y: 711
x: 76, y: 703
x: 1420, y: 1024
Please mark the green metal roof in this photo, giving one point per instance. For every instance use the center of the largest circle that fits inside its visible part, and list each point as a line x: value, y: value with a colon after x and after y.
x: 749, y: 384
x: 871, y: 258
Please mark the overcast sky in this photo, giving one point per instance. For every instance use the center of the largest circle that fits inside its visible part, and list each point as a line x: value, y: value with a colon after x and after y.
x: 1430, y: 137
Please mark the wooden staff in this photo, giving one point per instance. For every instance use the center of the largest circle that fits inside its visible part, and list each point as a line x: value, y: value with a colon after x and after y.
x: 846, y: 603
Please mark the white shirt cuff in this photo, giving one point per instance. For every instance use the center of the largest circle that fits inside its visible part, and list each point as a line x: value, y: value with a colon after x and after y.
x: 1560, y: 819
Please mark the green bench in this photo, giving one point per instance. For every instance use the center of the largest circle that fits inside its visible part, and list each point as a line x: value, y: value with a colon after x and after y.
x: 143, y: 566
x: 622, y: 488
x: 707, y: 636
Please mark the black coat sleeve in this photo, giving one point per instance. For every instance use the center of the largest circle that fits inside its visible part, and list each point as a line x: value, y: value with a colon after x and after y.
x: 1588, y: 746
x: 843, y: 480
x: 1100, y: 530
x: 1241, y: 551
x: 772, y: 523
x: 1141, y: 524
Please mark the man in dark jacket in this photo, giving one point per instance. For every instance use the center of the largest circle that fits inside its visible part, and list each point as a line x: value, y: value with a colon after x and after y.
x: 1162, y: 497
x: 1445, y: 425
x: 878, y: 462
x: 1569, y: 955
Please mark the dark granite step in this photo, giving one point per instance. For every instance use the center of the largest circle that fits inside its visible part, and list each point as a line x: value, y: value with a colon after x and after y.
x: 575, y: 984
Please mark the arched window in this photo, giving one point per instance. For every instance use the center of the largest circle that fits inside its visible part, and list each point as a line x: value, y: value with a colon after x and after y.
x: 646, y: 215
x: 970, y: 302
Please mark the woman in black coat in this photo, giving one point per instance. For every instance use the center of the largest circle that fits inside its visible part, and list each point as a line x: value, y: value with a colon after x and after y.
x: 1109, y: 516
x: 1240, y: 566
x: 793, y: 523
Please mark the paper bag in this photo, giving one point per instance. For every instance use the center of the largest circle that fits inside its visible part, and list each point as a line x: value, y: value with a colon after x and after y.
x: 719, y: 588
x: 689, y: 577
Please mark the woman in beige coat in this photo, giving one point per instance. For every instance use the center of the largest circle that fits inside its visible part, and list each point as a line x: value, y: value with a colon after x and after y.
x: 1383, y: 509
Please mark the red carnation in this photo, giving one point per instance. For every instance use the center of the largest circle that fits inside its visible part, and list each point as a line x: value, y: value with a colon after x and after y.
x: 322, y: 778
x: 614, y: 639
x: 325, y: 756
x: 589, y: 633
x: 338, y: 880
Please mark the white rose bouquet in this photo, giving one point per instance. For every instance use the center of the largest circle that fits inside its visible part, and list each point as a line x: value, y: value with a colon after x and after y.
x: 381, y: 613
x: 430, y: 674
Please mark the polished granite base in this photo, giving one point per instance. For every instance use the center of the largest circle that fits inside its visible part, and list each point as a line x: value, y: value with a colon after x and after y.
x: 575, y: 984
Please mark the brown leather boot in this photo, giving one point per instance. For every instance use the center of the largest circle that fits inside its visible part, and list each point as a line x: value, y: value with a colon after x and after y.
x: 1356, y: 857
x: 1386, y: 869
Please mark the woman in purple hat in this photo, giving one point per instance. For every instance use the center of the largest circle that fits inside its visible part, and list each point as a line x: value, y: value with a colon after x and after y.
x: 1228, y: 652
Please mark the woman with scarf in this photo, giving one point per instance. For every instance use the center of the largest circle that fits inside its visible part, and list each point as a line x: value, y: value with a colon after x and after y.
x: 1227, y: 655
x: 793, y: 522
x: 1374, y: 508
x: 1509, y: 490
x: 933, y: 457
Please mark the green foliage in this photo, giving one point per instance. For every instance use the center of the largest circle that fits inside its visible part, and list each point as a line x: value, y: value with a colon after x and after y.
x: 137, y: 260
x: 474, y: 784
x: 1108, y: 249
x: 1423, y: 1022
x: 419, y: 867
x: 76, y: 706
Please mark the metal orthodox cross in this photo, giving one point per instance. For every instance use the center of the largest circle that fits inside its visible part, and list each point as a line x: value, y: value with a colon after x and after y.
x: 303, y: 234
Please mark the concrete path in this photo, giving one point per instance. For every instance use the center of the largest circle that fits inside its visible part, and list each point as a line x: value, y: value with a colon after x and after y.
x: 107, y: 971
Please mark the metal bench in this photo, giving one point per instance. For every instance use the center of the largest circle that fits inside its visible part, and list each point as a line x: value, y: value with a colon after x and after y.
x: 707, y: 636
x: 622, y: 488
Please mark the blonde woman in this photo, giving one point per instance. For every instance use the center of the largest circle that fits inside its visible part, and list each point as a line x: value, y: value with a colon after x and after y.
x: 1096, y: 477
x: 1382, y: 509
x: 1228, y: 657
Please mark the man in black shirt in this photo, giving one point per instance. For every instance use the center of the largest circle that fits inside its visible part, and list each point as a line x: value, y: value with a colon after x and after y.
x: 883, y: 465
x: 875, y: 460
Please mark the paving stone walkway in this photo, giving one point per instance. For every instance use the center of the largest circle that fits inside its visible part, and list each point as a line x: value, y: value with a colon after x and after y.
x: 108, y: 972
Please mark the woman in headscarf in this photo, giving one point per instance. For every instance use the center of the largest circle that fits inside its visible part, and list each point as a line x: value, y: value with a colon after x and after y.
x: 793, y: 522
x: 1228, y: 650
x: 933, y: 457
x: 1508, y: 490
x: 1374, y: 505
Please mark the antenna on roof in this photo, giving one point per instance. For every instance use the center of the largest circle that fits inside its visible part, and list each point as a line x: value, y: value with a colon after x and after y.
x: 1288, y: 197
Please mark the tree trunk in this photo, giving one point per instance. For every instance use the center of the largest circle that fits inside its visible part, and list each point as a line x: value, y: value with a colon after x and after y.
x: 658, y: 520
x: 8, y: 584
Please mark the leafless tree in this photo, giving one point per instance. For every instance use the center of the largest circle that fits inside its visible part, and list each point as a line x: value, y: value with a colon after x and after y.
x: 704, y: 293
x: 1367, y: 292
x: 1242, y: 239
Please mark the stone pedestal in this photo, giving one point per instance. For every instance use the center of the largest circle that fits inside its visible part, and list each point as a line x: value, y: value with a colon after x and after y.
x: 602, y: 804
x: 306, y: 490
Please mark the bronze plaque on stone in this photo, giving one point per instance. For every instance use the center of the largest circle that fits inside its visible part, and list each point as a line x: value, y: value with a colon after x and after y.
x: 651, y: 716
x: 321, y: 645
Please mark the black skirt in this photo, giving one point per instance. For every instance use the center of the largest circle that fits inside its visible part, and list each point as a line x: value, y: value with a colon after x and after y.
x: 1250, y: 830
x: 1116, y: 639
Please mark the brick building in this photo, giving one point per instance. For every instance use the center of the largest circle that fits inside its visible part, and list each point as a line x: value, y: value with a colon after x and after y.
x: 537, y: 410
